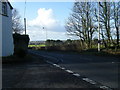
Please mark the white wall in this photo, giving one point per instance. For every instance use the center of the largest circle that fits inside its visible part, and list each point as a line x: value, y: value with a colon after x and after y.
x: 0, y: 31
x: 0, y: 50
x: 7, y: 39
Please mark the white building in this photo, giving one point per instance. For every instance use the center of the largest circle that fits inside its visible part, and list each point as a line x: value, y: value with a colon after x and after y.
x: 6, y: 38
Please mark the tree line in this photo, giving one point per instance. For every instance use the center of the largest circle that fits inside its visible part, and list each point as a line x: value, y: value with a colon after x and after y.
x: 67, y: 45
x: 87, y: 18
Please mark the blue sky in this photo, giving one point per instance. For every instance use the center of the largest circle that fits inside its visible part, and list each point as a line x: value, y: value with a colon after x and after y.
x: 51, y: 15
x: 61, y: 9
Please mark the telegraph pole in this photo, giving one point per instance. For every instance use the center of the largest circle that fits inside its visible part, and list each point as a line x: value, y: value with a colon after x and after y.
x: 25, y: 25
x: 46, y: 37
x: 98, y: 29
x: 24, y: 17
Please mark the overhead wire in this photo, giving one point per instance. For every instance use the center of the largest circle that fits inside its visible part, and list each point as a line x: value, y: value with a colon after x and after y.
x: 25, y: 17
x: 25, y: 10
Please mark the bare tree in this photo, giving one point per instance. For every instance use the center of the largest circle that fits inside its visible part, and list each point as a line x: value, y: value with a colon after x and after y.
x: 80, y: 22
x: 109, y: 21
x: 16, y: 22
x: 105, y: 15
x: 116, y: 17
x: 83, y: 22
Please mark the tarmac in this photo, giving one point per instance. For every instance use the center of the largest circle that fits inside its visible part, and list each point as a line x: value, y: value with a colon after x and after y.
x: 37, y: 73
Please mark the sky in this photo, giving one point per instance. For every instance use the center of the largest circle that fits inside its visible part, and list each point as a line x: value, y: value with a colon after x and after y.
x: 45, y: 20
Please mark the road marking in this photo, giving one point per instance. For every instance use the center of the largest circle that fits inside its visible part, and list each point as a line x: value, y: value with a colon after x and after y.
x: 105, y: 87
x: 54, y: 64
x: 69, y: 71
x: 62, y: 68
x: 75, y: 74
x: 113, y: 62
x: 85, y: 79
x: 89, y: 80
x: 57, y: 65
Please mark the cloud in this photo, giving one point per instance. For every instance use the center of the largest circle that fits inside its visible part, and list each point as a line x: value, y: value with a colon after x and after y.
x: 45, y: 18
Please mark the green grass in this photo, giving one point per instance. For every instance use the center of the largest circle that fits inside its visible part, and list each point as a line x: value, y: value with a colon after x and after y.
x: 41, y: 45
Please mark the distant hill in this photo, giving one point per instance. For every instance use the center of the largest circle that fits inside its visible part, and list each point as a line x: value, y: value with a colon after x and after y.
x: 36, y: 42
x: 39, y: 42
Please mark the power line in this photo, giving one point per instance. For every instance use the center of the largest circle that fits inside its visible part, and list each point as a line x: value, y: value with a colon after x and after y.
x: 25, y: 10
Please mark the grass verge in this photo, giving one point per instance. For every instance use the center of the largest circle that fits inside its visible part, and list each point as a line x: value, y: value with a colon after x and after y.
x: 103, y: 52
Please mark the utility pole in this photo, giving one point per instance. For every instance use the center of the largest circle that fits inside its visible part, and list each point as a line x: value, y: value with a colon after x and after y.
x: 98, y: 28
x: 46, y: 37
x: 45, y: 33
x: 24, y: 17
x: 25, y: 25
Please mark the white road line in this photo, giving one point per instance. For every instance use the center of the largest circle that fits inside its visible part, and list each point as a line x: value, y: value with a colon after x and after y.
x: 89, y: 80
x: 54, y: 64
x: 49, y: 62
x: 105, y: 87
x: 57, y: 66
x: 69, y: 71
x: 62, y: 68
x: 76, y: 74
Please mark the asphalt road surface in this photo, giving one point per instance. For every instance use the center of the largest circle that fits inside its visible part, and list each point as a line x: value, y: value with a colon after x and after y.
x: 32, y: 72
x: 101, y: 69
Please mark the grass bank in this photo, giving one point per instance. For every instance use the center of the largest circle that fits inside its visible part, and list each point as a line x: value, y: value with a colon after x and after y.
x: 102, y: 52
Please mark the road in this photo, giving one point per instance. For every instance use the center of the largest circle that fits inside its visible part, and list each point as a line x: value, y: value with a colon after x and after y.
x: 101, y: 69
x: 33, y: 72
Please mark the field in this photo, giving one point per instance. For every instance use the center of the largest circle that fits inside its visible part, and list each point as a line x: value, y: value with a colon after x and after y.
x: 41, y: 45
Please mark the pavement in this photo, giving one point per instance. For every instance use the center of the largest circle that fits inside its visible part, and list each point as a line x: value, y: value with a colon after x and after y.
x: 36, y: 73
x: 104, y: 70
